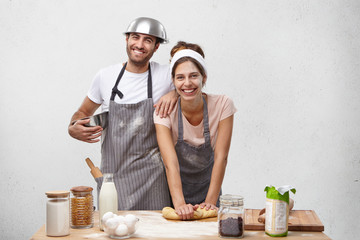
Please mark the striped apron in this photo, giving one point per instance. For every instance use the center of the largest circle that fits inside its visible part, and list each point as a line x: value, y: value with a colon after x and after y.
x: 130, y: 151
x: 196, y: 162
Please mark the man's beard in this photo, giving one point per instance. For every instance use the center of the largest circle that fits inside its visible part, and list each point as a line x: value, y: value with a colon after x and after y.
x: 141, y: 62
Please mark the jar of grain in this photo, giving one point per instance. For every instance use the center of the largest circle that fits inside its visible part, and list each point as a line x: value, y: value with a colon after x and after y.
x: 82, y: 207
x: 57, y: 213
x: 231, y: 216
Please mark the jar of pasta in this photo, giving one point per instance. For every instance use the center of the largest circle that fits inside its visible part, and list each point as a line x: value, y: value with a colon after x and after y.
x: 231, y: 216
x: 82, y: 207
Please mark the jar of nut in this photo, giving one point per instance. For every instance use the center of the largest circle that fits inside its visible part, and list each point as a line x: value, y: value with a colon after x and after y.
x: 231, y: 216
x: 82, y: 207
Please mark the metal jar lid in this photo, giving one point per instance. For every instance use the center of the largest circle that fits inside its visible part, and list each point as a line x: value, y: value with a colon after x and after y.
x: 231, y: 200
x: 148, y: 26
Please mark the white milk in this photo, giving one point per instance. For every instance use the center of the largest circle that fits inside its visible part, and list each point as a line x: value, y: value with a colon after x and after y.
x: 108, y: 201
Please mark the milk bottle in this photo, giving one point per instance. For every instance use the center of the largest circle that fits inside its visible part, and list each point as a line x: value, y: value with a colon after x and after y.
x: 108, y: 201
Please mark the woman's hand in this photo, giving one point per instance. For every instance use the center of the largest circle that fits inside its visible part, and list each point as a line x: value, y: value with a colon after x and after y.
x: 185, y: 211
x: 207, y: 206
x: 166, y: 104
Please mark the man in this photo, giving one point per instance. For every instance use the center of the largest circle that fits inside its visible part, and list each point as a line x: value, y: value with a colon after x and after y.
x: 128, y: 91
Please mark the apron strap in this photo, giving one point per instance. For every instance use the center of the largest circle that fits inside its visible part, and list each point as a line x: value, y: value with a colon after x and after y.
x: 149, y: 86
x: 205, y: 122
x: 180, y: 123
x: 115, y: 91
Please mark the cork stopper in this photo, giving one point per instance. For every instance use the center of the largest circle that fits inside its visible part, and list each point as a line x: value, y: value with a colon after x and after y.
x: 57, y: 194
x: 81, y: 189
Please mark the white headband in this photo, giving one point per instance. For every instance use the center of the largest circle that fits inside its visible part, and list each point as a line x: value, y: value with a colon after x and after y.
x: 188, y: 53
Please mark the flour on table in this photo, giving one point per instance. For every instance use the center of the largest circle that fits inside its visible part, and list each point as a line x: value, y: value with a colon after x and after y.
x: 155, y: 226
x: 98, y: 236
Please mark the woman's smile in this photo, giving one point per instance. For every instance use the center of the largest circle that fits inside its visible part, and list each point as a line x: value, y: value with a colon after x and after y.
x: 187, y: 91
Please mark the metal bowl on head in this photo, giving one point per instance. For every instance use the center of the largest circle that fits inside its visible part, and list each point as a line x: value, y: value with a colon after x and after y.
x: 100, y: 119
x: 148, y: 26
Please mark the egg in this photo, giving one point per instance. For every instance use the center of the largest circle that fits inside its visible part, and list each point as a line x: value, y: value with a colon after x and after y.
x: 106, y: 216
x: 121, y: 230
x: 111, y: 223
x: 131, y: 229
x: 109, y: 231
x: 120, y: 219
x: 130, y: 220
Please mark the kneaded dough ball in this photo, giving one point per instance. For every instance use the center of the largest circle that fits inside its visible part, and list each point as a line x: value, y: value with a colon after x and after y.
x: 200, y: 213
x: 208, y: 213
x: 121, y: 230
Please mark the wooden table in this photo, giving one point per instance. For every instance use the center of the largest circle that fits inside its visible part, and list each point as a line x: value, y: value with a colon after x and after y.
x: 153, y: 226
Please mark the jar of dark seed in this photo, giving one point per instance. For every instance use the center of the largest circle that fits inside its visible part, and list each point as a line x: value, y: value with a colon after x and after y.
x: 231, y: 216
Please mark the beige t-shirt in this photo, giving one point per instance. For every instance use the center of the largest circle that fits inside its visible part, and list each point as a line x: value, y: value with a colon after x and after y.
x: 219, y: 108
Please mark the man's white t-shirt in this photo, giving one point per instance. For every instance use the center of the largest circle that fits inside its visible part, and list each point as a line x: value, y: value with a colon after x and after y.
x: 132, y: 85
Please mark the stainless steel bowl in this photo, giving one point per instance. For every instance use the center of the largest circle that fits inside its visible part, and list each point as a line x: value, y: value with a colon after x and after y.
x: 148, y: 26
x: 100, y: 119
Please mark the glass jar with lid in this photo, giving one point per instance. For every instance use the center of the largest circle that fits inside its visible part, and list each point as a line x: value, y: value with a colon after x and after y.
x: 231, y: 216
x: 57, y: 213
x: 82, y: 207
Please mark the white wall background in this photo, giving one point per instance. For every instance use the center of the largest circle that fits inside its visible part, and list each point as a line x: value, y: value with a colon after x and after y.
x: 292, y: 68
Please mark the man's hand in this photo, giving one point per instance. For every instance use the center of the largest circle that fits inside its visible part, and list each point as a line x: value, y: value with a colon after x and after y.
x: 166, y: 104
x: 79, y: 131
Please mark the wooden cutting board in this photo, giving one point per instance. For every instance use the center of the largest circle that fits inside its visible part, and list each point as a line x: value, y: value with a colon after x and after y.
x: 299, y: 220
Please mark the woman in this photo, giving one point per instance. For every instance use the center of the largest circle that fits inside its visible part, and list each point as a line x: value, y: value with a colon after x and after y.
x: 195, y: 138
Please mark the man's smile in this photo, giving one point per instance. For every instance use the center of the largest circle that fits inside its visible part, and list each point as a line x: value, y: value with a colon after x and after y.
x: 137, y: 51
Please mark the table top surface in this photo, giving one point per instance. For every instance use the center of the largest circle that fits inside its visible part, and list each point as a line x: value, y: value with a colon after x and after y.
x: 153, y: 226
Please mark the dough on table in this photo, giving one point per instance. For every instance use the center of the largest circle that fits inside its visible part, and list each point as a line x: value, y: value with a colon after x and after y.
x: 200, y: 213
